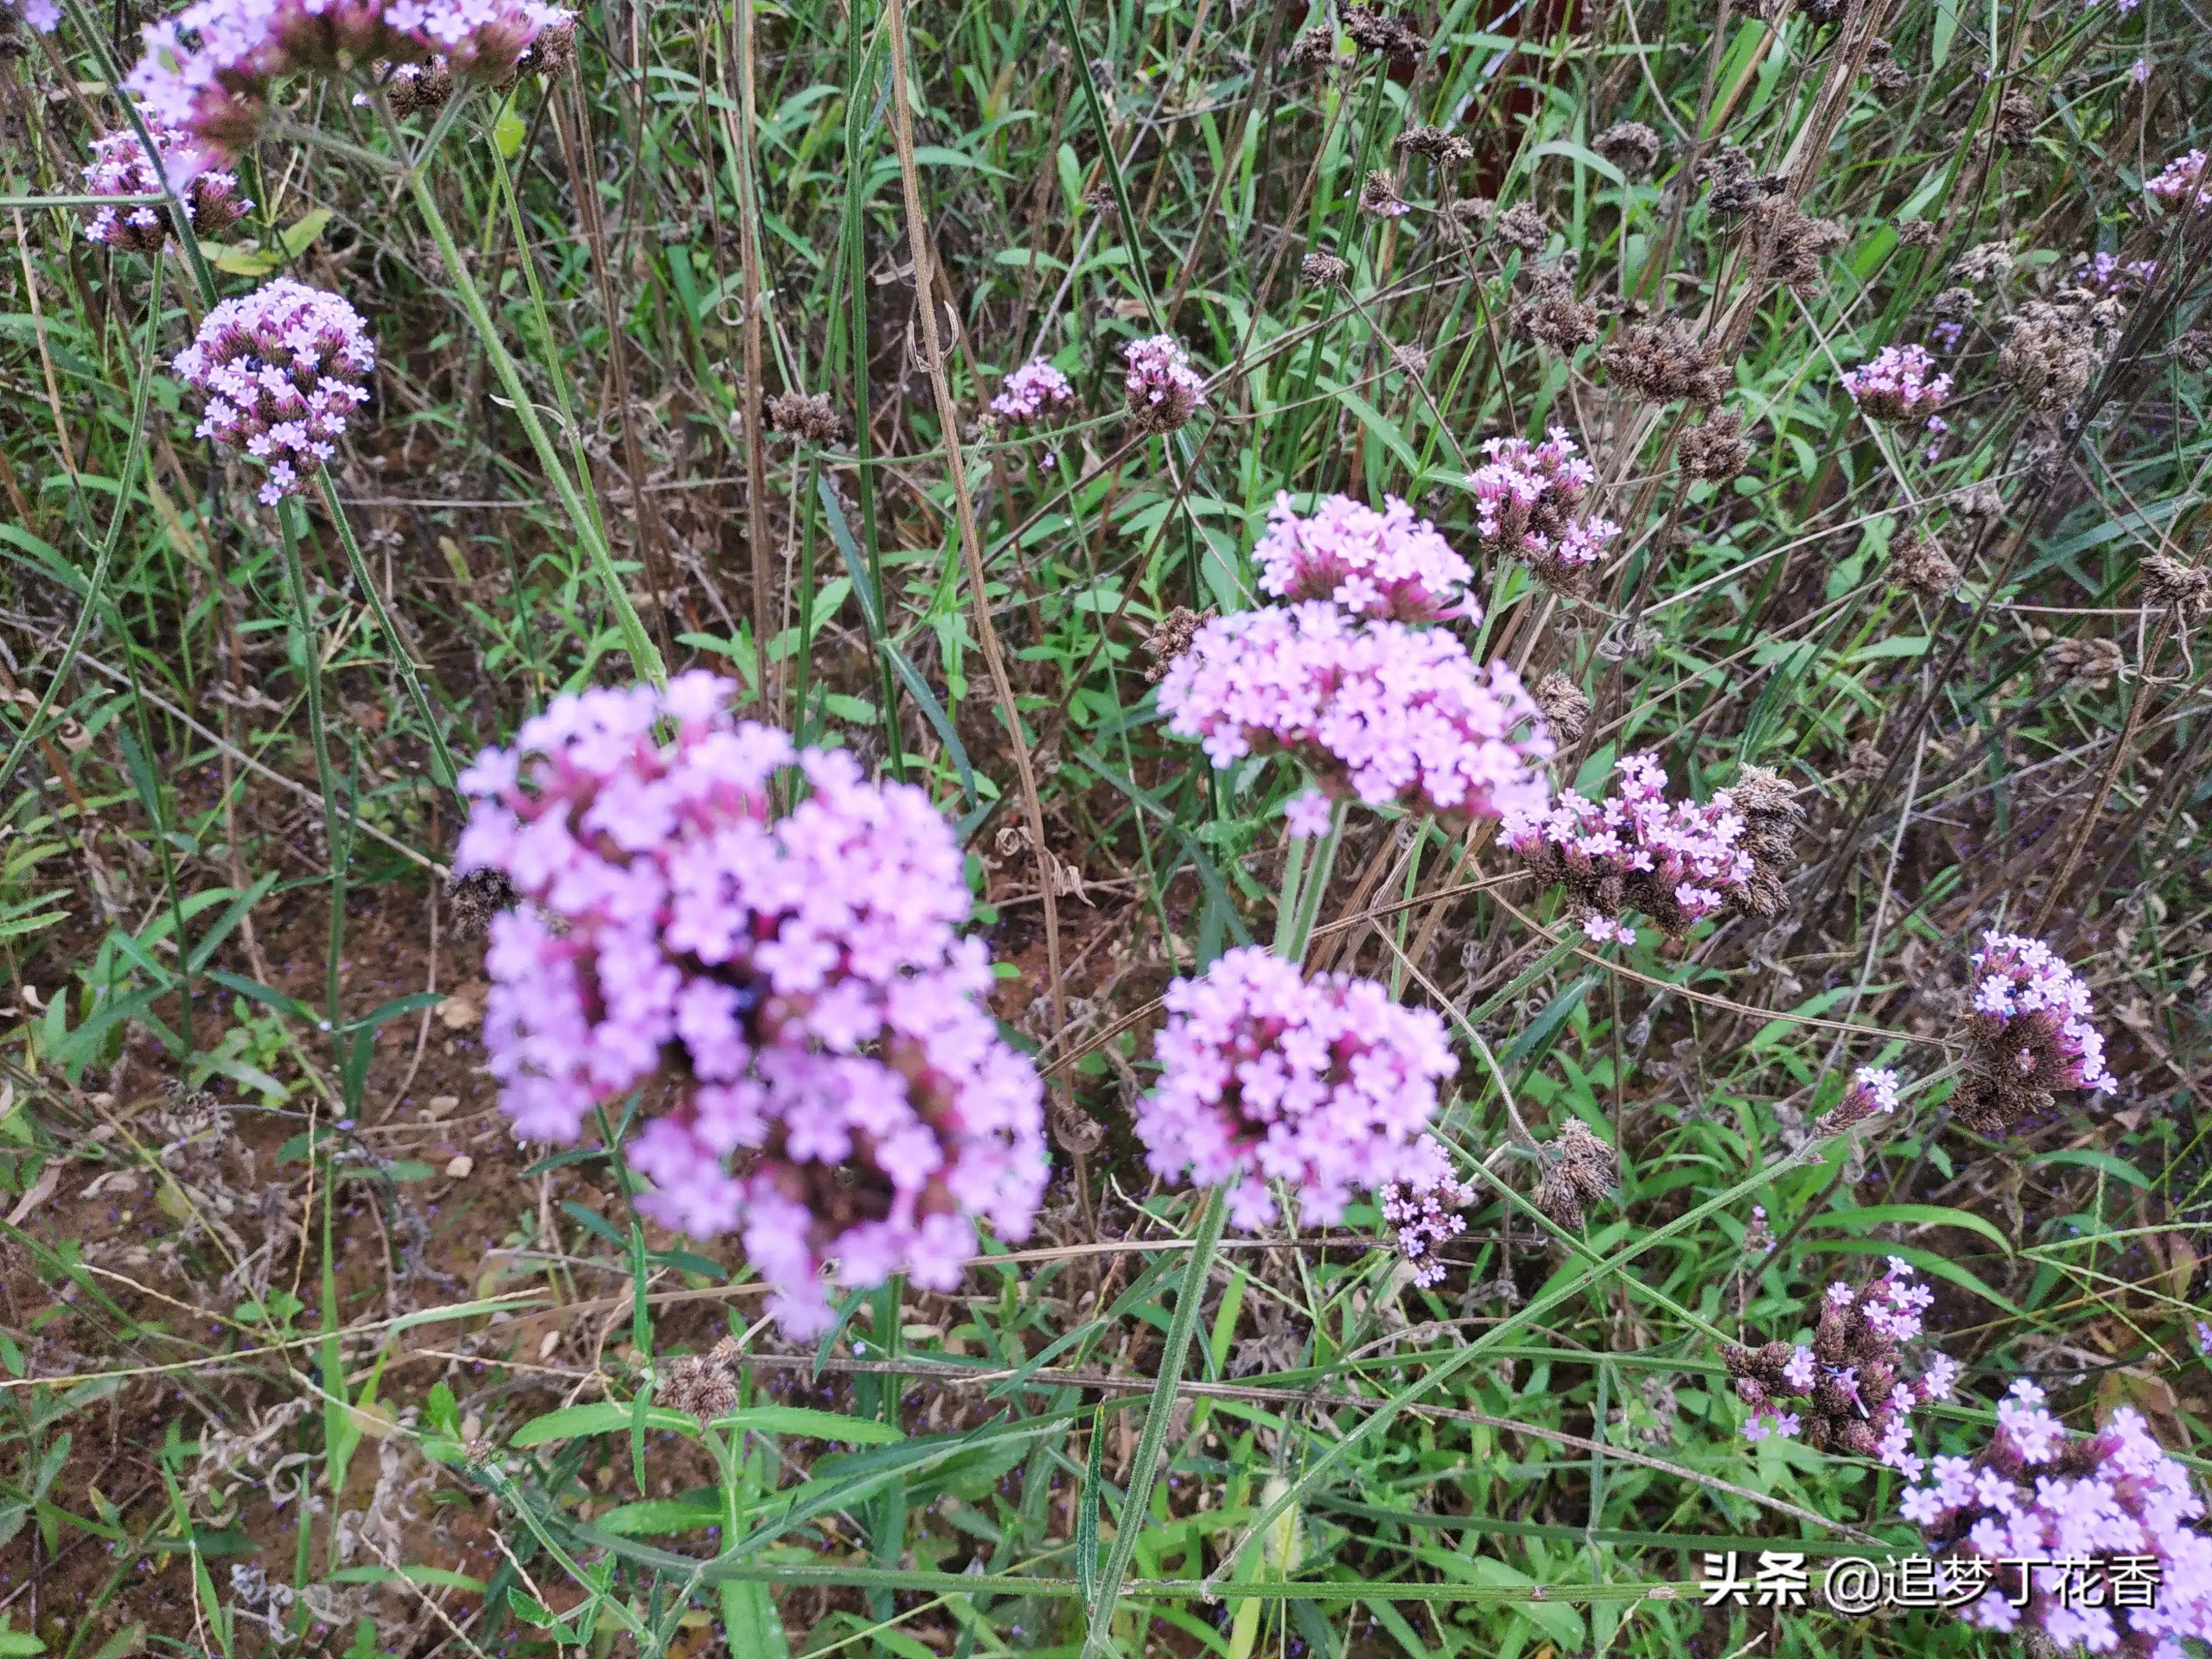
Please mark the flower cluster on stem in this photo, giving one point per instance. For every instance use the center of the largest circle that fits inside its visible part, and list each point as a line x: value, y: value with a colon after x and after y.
x: 1900, y: 385
x: 1389, y: 565
x: 1324, y: 1084
x: 2028, y: 1034
x: 1526, y: 499
x: 2088, y: 1510
x: 1675, y: 861
x: 787, y: 987
x: 121, y: 167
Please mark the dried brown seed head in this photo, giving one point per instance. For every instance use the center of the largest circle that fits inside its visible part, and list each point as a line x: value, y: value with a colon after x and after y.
x: 1919, y: 562
x: 2170, y: 584
x: 1379, y: 194
x: 1715, y: 450
x: 1323, y: 270
x: 1566, y: 707
x: 1660, y: 363
x: 1314, y: 48
x: 1919, y: 233
x: 472, y: 899
x: 1446, y: 148
x: 1629, y: 145
x: 1737, y: 185
x: 1555, y: 316
x: 2050, y: 353
x: 1789, y: 245
x: 1984, y: 262
x: 1374, y: 30
x: 1172, y: 638
x: 1522, y: 226
x: 810, y: 417
x: 2017, y: 116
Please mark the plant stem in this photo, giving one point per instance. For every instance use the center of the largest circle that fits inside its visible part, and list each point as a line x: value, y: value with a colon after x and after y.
x: 291, y: 518
x: 1136, y: 1502
x: 643, y: 656
x: 1301, y: 907
x: 441, y: 760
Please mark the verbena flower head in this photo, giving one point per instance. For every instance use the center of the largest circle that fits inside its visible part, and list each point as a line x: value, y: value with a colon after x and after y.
x: 207, y: 71
x: 1423, y: 1212
x: 787, y: 986
x: 282, y: 368
x: 2102, y: 1509
x: 1675, y: 861
x: 44, y: 15
x: 2029, y: 1033
x: 1030, y: 390
x: 1873, y: 1092
x: 1325, y: 1084
x: 1900, y: 385
x: 1526, y: 497
x: 1162, y: 389
x: 1376, y: 709
x: 1388, y: 564
x: 120, y: 167
x: 2182, y: 183
x: 1848, y: 1377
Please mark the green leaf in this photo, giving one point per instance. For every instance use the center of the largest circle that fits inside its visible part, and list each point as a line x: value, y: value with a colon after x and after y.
x: 508, y: 131
x: 1913, y: 1215
x: 613, y: 1416
x: 300, y: 235
x: 443, y: 1577
x: 2119, y: 1168
x: 933, y: 712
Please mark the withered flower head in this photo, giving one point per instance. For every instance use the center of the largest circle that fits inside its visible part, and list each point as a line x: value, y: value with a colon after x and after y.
x: 701, y: 1386
x: 1660, y: 363
x: 1580, y: 1172
x: 1373, y: 30
x: 1413, y: 359
x: 1920, y: 562
x: 2090, y: 662
x: 2192, y: 349
x: 1522, y: 226
x: 1314, y: 48
x: 810, y: 418
x: 1565, y: 706
x: 1323, y: 270
x: 1772, y: 820
x: 2050, y: 353
x: 1954, y: 305
x: 1737, y: 186
x: 1446, y: 148
x: 1379, y: 195
x: 2017, y: 119
x: 1919, y: 233
x: 1789, y: 245
x: 1555, y: 316
x: 1171, y: 639
x: 1629, y: 145
x: 2170, y: 584
x: 473, y: 899
x: 1715, y: 450
x: 1984, y: 262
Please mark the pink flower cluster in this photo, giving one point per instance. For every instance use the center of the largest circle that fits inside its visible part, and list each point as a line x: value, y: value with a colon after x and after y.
x: 1030, y: 390
x: 1161, y: 388
x: 120, y: 167
x: 1675, y: 861
x: 1388, y: 564
x: 2096, y: 1509
x: 788, y: 985
x: 2183, y: 182
x: 208, y: 69
x: 1872, y: 1093
x: 1423, y: 1212
x: 1325, y: 1084
x: 1526, y: 496
x: 1898, y: 386
x: 2031, y: 1016
x: 2109, y: 273
x: 1384, y: 711
x: 1847, y: 1376
x: 282, y: 368
x: 44, y: 15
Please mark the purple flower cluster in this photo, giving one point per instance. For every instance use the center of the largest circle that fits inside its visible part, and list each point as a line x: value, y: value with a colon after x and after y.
x: 1847, y: 1376
x: 1873, y: 1092
x: 282, y: 368
x: 2029, y: 1033
x: 1388, y: 564
x: 1030, y: 390
x: 1423, y: 1212
x: 1899, y: 386
x: 2182, y: 182
x: 1325, y: 1084
x: 2109, y: 274
x: 2084, y: 1505
x: 121, y: 167
x: 1526, y: 496
x: 788, y: 985
x: 1675, y: 861
x: 1386, y: 712
x: 44, y: 15
x: 1161, y: 388
x: 208, y: 70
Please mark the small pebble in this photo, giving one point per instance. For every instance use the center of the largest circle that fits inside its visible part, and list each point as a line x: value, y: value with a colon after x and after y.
x: 459, y: 1167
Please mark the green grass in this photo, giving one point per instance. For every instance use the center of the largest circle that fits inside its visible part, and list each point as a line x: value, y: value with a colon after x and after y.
x: 284, y: 1353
